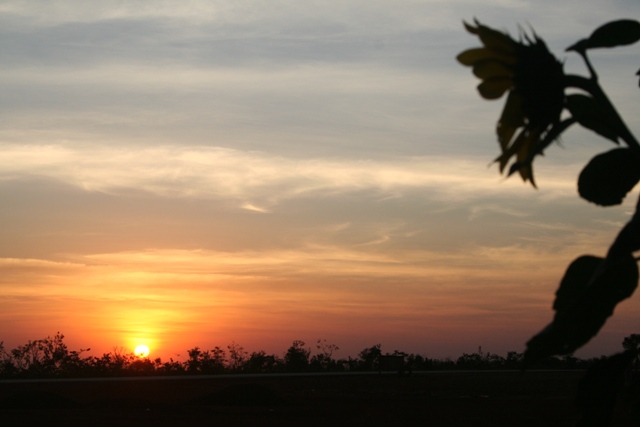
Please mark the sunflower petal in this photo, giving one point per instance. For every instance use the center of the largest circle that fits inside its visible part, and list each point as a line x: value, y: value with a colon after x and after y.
x: 526, y: 173
x: 471, y: 56
x: 493, y: 39
x: 494, y: 88
x: 488, y: 69
x: 470, y: 28
x: 512, y: 113
x: 511, y: 119
x: 512, y: 150
x: 505, y: 135
x: 526, y: 169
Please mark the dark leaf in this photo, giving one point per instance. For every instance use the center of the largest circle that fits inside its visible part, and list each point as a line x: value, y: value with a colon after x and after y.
x: 575, y: 280
x: 609, y: 176
x: 628, y: 239
x: 615, y: 33
x: 591, y: 115
x: 579, y: 46
x: 588, y: 294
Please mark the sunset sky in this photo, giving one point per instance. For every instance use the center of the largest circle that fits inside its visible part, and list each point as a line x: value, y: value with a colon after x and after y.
x: 192, y: 173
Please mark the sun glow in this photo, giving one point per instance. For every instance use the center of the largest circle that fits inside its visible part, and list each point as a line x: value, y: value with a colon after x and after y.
x: 141, y: 351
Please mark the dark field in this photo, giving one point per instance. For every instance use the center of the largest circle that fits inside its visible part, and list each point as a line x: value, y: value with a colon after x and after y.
x: 425, y: 399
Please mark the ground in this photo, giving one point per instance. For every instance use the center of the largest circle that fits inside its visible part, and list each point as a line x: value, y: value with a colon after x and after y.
x: 433, y: 399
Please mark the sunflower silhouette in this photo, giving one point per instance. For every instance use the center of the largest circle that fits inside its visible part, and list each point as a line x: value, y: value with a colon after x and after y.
x: 534, y: 78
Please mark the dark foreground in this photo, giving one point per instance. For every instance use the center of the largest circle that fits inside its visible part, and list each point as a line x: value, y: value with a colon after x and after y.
x: 433, y: 399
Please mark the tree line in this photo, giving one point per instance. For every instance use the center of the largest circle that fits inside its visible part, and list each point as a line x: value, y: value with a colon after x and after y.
x: 51, y: 358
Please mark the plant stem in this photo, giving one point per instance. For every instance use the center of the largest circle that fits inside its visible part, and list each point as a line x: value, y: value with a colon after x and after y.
x: 592, y: 87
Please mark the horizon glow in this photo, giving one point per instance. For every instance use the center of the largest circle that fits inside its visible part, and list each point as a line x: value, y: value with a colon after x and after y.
x: 209, y: 172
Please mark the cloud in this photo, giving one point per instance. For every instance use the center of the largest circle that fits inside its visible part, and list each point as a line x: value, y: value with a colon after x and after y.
x: 253, y: 178
x: 483, y: 209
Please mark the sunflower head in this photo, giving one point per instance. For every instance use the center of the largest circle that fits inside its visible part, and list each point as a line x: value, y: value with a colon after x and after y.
x: 534, y: 79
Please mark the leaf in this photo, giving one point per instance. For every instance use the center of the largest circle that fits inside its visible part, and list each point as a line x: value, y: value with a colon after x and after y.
x: 609, y: 176
x: 628, y: 239
x: 592, y: 115
x: 615, y: 33
x: 588, y: 294
x: 579, y: 46
x: 494, y: 88
x: 575, y: 280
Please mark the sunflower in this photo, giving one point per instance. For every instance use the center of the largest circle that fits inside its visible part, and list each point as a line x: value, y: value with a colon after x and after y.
x: 535, y: 81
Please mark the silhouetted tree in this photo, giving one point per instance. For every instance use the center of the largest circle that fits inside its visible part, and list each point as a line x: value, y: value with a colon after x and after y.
x: 296, y: 359
x: 470, y: 361
x: 50, y: 357
x: 170, y: 368
x: 7, y: 367
x: 513, y: 360
x: 260, y: 362
x: 632, y: 343
x: 322, y: 361
x: 368, y: 358
x: 46, y: 357
x: 237, y: 357
x: 114, y: 363
x: 419, y: 363
x: 142, y: 367
x: 205, y: 362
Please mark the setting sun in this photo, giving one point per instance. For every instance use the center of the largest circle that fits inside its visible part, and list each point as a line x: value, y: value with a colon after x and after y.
x: 141, y: 351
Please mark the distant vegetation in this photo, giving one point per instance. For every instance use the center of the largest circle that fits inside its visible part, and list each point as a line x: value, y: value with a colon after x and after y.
x: 51, y: 358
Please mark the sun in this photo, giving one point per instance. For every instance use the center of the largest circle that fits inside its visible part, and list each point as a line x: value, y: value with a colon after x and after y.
x: 141, y: 351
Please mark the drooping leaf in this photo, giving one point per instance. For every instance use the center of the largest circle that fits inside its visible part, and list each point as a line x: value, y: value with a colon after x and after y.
x: 609, y: 176
x: 588, y: 295
x: 592, y: 115
x: 628, y: 239
x: 615, y: 33
x: 579, y: 46
x: 575, y: 280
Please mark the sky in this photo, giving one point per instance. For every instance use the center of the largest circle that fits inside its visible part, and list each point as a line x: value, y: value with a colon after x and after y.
x: 197, y: 173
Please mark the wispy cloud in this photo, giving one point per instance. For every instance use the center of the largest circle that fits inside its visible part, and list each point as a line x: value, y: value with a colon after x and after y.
x: 478, y: 211
x: 253, y: 178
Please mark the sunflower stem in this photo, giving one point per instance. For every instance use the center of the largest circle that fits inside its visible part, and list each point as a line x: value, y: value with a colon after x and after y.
x: 592, y: 87
x: 592, y: 71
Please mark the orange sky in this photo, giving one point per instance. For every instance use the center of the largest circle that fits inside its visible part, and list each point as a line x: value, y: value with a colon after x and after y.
x: 193, y: 174
x: 439, y: 305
